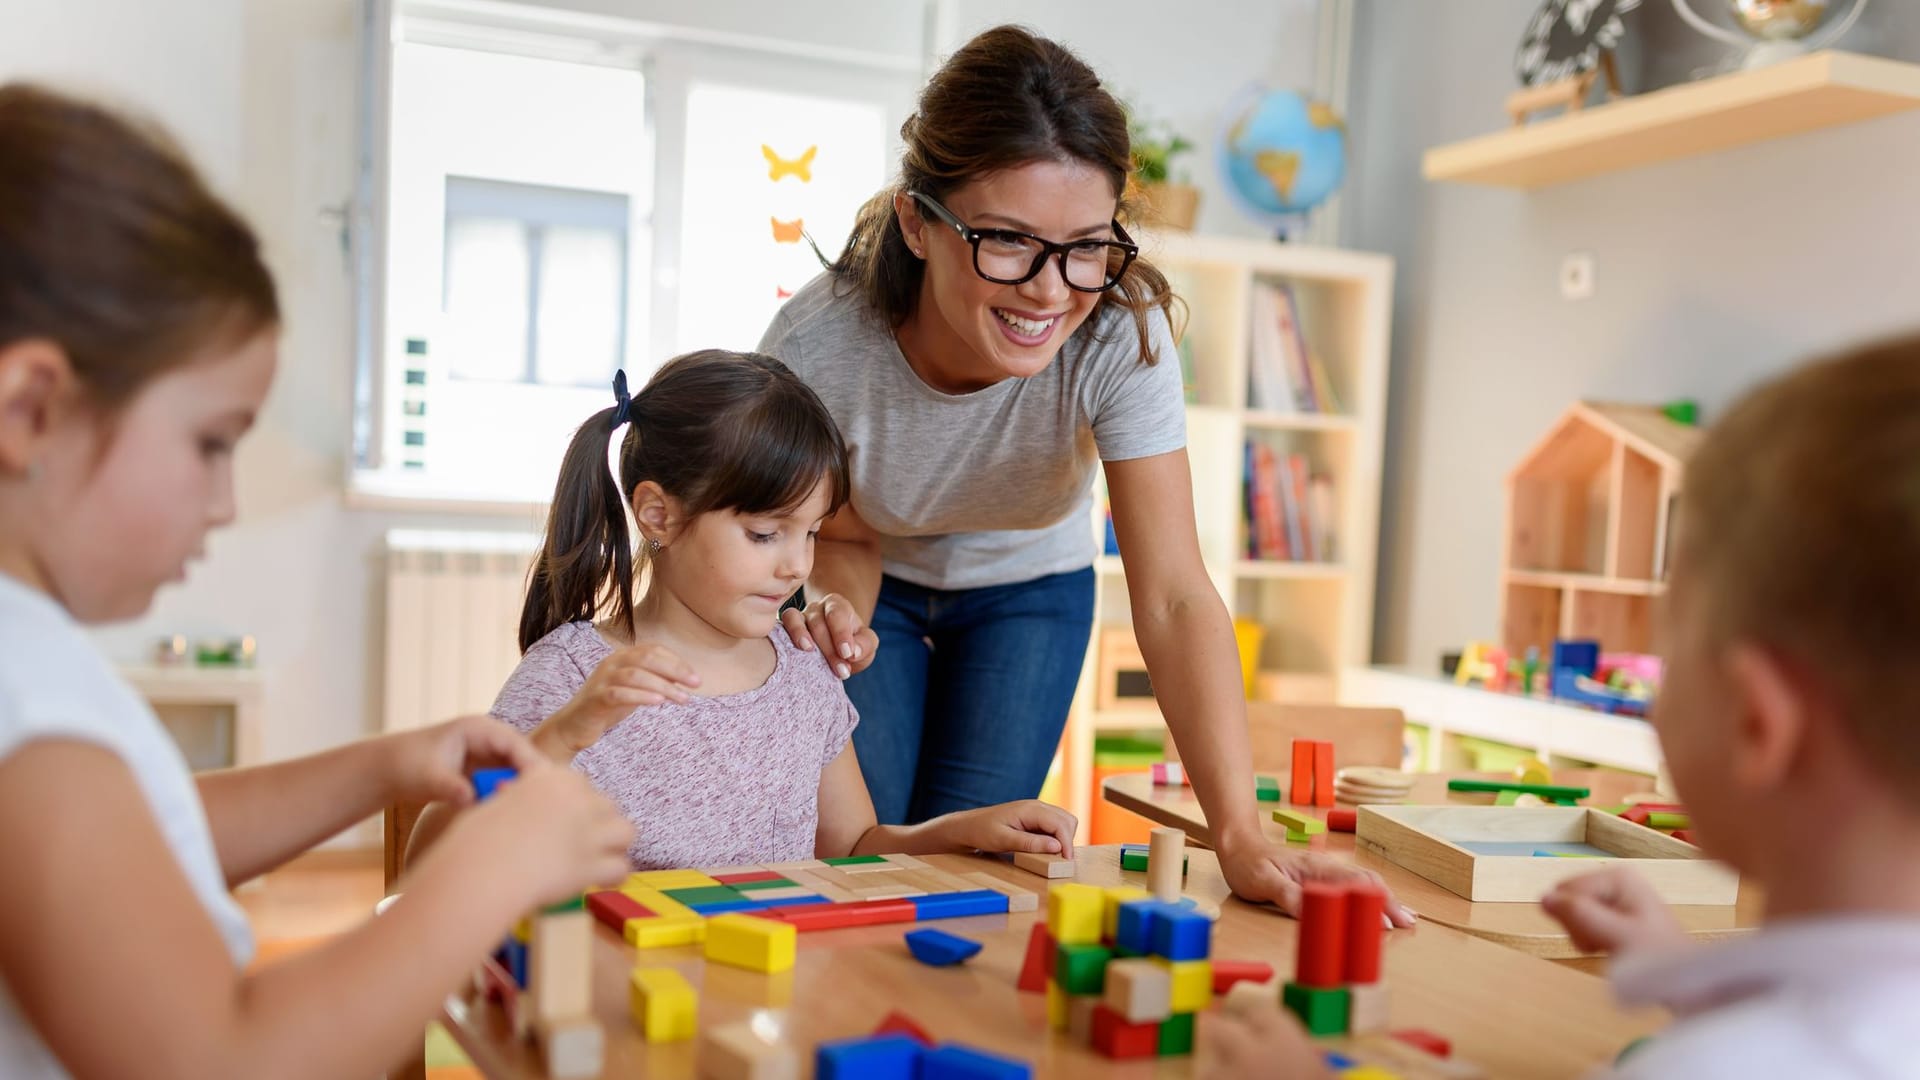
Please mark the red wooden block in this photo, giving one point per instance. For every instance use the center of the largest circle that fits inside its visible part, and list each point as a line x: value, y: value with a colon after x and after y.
x: 1637, y: 814
x: 1301, y: 793
x: 1116, y: 1038
x: 613, y: 909
x: 1323, y: 774
x: 1323, y: 936
x: 1038, y: 967
x: 1366, y: 910
x: 808, y: 917
x: 898, y: 1023
x: 1228, y: 972
x: 1343, y: 820
x: 1662, y: 807
x: 748, y: 875
x: 1685, y: 836
x: 1425, y: 1040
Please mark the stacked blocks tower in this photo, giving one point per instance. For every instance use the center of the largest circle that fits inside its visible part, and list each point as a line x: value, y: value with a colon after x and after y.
x: 1336, y: 987
x: 1123, y: 971
x: 1312, y: 773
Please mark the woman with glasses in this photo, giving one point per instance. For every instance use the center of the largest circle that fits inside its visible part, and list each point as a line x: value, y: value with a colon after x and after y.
x: 987, y: 339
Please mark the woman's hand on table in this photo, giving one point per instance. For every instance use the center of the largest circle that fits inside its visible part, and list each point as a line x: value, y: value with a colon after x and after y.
x: 1258, y: 869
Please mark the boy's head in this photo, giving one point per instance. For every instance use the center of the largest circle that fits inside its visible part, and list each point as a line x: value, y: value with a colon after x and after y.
x: 1793, y: 623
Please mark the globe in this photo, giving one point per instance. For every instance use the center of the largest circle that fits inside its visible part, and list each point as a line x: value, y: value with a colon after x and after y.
x: 1779, y: 19
x: 1281, y: 154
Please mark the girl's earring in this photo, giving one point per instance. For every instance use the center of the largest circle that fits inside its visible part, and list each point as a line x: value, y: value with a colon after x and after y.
x: 653, y: 545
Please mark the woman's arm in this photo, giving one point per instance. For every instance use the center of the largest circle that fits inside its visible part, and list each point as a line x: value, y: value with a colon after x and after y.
x: 846, y: 581
x: 1187, y: 641
x: 848, y: 826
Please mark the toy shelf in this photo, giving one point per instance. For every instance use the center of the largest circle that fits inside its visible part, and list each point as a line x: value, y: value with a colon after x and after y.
x: 1820, y: 90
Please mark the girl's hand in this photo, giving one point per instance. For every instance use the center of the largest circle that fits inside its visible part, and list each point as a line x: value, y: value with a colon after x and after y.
x: 1029, y: 825
x: 831, y: 626
x: 1258, y: 869
x: 1614, y: 911
x: 435, y: 764
x: 630, y: 678
x: 549, y: 828
x: 1263, y: 1040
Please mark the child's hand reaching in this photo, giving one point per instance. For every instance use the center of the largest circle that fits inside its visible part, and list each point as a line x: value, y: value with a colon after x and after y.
x: 630, y: 678
x: 1614, y: 911
x: 1029, y: 825
x: 1261, y: 1040
x: 435, y: 764
x: 548, y: 828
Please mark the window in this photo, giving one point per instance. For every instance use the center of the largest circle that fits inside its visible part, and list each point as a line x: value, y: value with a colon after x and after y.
x: 559, y: 195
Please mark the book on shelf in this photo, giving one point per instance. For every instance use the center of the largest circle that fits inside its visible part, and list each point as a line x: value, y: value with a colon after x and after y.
x: 1284, y: 373
x: 1289, y: 511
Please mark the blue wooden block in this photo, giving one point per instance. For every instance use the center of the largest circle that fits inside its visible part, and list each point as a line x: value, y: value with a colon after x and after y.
x: 486, y: 780
x: 1337, y: 1061
x: 789, y: 901
x: 937, y: 948
x: 1133, y: 933
x: 880, y: 1057
x: 960, y: 904
x: 721, y: 907
x: 1179, y: 934
x: 516, y: 951
x: 955, y: 1062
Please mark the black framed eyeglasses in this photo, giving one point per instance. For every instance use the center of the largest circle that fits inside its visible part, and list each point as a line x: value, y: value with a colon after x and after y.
x: 1009, y: 257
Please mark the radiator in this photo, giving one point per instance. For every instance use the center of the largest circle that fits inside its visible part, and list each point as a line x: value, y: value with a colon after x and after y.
x: 453, y: 620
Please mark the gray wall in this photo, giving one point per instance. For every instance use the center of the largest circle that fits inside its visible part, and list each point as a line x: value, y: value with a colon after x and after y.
x: 1712, y: 273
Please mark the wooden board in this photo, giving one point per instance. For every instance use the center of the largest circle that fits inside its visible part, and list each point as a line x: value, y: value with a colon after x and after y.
x: 1426, y: 840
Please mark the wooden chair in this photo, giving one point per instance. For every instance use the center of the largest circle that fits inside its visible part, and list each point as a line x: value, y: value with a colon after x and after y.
x: 398, y: 827
x: 1360, y: 736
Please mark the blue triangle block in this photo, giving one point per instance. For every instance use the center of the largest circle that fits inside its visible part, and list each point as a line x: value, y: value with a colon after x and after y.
x: 937, y: 948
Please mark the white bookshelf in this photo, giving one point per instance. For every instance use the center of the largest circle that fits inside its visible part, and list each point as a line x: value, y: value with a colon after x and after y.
x: 1317, y: 616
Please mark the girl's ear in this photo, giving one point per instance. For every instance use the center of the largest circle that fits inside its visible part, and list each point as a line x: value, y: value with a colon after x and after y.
x: 657, y: 513
x: 35, y: 378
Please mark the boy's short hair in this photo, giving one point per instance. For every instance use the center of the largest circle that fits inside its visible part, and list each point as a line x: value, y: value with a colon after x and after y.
x: 1799, y: 527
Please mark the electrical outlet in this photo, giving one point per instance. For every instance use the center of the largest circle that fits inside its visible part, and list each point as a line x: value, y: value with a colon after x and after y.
x: 1576, y: 276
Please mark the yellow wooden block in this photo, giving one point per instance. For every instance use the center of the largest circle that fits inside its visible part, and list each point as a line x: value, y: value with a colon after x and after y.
x: 664, y: 1005
x: 1297, y: 822
x: 663, y: 931
x: 751, y: 942
x: 1368, y: 1072
x: 1058, y: 1006
x: 1075, y: 913
x: 1192, y: 983
x: 670, y: 879
x: 1115, y: 896
x: 523, y: 930
x: 1533, y: 771
x: 656, y: 901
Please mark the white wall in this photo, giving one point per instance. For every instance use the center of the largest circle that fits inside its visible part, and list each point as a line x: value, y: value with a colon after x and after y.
x: 1712, y: 273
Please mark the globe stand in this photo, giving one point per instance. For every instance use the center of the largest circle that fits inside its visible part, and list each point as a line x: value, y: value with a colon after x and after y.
x: 1759, y: 52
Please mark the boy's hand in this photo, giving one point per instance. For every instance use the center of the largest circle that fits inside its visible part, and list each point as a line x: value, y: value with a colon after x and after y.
x: 1261, y: 1041
x: 1029, y: 825
x: 630, y: 678
x: 435, y: 764
x: 1614, y: 911
x: 549, y: 830
x: 1258, y: 869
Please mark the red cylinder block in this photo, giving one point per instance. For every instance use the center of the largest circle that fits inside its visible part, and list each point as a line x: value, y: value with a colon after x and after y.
x: 1366, y: 912
x: 1323, y: 936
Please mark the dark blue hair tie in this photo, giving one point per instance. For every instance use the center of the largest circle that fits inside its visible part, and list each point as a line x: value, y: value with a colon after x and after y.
x: 622, y: 401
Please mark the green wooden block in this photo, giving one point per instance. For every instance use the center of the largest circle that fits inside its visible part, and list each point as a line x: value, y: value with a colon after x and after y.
x: 771, y: 883
x: 574, y: 904
x: 1324, y: 1012
x: 1176, y: 1035
x: 1667, y: 820
x: 1545, y: 791
x: 854, y: 860
x: 703, y: 894
x: 1082, y: 969
x: 1266, y: 789
x: 1133, y: 860
x: 1299, y: 837
x: 1297, y: 822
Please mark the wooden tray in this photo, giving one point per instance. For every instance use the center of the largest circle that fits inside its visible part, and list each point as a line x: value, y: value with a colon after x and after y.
x: 1439, y: 842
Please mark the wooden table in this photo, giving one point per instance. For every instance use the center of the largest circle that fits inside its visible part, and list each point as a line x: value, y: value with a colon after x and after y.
x: 1510, y: 1013
x: 1520, y: 926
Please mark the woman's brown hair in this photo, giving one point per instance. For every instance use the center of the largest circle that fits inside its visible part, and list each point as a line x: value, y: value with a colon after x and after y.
x: 1008, y: 98
x: 716, y: 430
x: 113, y: 248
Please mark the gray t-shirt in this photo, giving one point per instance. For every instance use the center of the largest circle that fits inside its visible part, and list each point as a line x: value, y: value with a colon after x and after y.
x: 994, y: 486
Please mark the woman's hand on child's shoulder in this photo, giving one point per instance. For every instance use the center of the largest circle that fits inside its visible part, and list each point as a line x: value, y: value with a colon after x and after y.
x: 832, y: 627
x: 554, y: 832
x: 434, y: 764
x: 633, y: 677
x: 1614, y: 911
x: 1029, y: 825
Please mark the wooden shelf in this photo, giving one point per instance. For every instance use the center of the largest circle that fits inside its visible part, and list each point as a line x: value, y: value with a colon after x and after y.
x: 1821, y: 90
x: 1278, y: 421
x: 1553, y: 579
x: 1280, y: 568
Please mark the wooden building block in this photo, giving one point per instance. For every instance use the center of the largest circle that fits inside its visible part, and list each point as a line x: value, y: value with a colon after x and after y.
x: 1192, y: 982
x: 1323, y: 774
x: 751, y: 942
x: 1058, y: 1011
x: 1251, y: 995
x: 670, y: 879
x: 1176, y: 1035
x: 1018, y: 899
x: 1343, y: 820
x: 1300, y: 792
x: 1037, y: 970
x: 738, y: 1052
x: 666, y: 931
x: 560, y: 966
x: 1166, y: 855
x: 831, y: 891
x: 810, y: 917
x: 1074, y: 913
x: 1080, y: 1019
x: 908, y: 861
x: 1139, y: 990
x: 1322, y: 1010
x: 1295, y: 821
x: 899, y: 1023
x: 1115, y: 1038
x: 1116, y: 895
x: 1229, y: 973
x: 664, y: 1005
x: 1367, y: 1008
x: 572, y: 1046
x: 1322, y: 944
x: 1082, y: 969
x: 1366, y: 923
x: 1047, y: 866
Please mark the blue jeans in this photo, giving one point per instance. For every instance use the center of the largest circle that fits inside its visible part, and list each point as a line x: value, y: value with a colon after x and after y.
x: 968, y: 692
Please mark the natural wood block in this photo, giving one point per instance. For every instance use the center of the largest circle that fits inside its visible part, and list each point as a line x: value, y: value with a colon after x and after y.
x: 1140, y: 990
x: 1242, y: 996
x: 1046, y: 866
x: 1166, y: 854
x: 1017, y: 899
x: 1367, y: 1008
x: 560, y: 965
x: 737, y: 1052
x: 573, y: 1046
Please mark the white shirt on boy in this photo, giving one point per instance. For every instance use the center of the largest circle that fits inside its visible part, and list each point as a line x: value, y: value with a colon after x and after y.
x: 1822, y: 997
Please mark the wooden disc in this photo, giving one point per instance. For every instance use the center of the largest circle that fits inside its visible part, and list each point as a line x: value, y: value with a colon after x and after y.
x: 1376, y: 777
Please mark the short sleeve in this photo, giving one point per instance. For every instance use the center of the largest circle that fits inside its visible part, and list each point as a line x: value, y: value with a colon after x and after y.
x: 840, y: 728
x: 1136, y: 410
x: 546, y: 679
